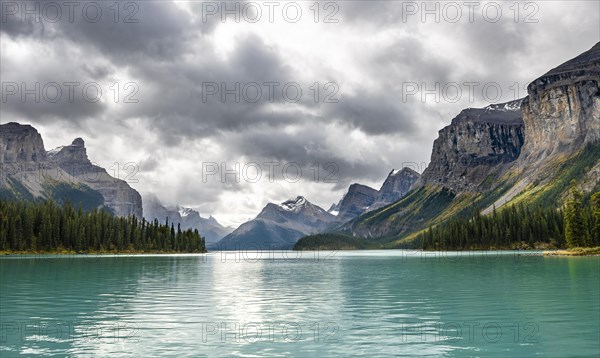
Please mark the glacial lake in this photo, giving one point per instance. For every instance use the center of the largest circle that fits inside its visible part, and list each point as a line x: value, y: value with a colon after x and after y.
x: 301, y: 304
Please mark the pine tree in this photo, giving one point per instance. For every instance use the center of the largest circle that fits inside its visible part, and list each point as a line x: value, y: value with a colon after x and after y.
x: 575, y: 233
x: 595, y: 203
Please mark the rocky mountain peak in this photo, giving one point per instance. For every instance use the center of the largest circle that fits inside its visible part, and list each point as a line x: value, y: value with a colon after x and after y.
x: 278, y: 226
x: 20, y: 143
x: 294, y: 204
x: 396, y: 185
x: 78, y: 142
x: 74, y: 154
x: 358, y: 199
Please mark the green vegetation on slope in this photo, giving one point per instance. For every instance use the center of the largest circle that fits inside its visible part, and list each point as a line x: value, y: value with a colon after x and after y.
x: 48, y: 227
x: 562, y: 175
x: 77, y: 194
x: 405, y: 215
x: 14, y: 190
x: 521, y: 226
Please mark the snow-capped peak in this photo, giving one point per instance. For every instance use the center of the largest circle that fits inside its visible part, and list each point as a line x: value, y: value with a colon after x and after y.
x: 185, y: 212
x: 508, y: 106
x: 293, y: 204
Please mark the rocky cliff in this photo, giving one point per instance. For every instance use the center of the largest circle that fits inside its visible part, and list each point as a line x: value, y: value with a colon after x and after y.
x: 519, y: 152
x: 119, y: 197
x: 20, y: 144
x: 475, y: 147
x: 397, y: 184
x: 65, y: 173
x: 562, y: 109
x: 358, y: 199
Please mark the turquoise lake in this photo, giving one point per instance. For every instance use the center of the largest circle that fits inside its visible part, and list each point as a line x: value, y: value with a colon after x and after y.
x: 308, y: 304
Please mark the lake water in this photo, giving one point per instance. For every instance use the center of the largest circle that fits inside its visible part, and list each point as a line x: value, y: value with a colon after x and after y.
x: 320, y: 304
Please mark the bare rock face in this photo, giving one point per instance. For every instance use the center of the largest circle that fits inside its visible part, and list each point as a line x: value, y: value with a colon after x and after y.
x: 26, y: 168
x: 478, y: 143
x: 395, y: 187
x: 358, y: 200
x: 119, y: 197
x: 23, y: 161
x: 562, y: 111
x: 20, y: 143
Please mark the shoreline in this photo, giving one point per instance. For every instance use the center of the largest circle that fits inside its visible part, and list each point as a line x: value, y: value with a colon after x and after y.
x: 96, y: 253
x: 577, y: 251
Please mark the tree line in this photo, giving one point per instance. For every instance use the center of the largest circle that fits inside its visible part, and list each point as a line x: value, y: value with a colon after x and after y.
x: 49, y: 227
x: 576, y: 224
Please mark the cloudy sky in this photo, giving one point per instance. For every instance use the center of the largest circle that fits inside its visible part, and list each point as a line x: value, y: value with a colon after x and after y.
x: 226, y: 108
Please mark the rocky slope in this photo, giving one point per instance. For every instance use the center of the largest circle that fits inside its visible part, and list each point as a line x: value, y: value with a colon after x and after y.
x: 209, y: 228
x: 278, y: 226
x: 65, y: 173
x: 118, y: 196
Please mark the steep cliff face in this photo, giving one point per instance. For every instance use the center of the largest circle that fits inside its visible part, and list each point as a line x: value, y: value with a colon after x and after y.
x: 562, y: 111
x: 20, y: 144
x: 358, y: 199
x: 397, y: 184
x: 24, y: 167
x: 27, y: 171
x: 476, y: 146
x: 119, y: 197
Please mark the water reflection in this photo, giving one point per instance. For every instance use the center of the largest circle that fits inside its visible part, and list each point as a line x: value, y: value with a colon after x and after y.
x: 376, y: 303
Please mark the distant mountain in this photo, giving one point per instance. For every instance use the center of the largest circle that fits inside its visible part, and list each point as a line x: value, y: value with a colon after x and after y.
x: 395, y: 187
x: 334, y: 209
x: 356, y: 201
x: 361, y: 198
x: 278, y: 226
x: 28, y: 172
x: 209, y: 228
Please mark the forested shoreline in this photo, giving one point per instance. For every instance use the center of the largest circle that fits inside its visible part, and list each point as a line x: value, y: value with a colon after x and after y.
x: 48, y: 227
x: 575, y: 224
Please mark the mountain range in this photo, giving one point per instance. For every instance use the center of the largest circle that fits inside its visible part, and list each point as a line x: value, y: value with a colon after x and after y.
x: 188, y: 218
x: 524, y: 151
x: 29, y: 172
x: 278, y: 226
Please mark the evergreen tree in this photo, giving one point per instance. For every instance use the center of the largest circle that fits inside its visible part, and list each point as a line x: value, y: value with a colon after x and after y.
x: 595, y: 203
x: 575, y: 233
x: 44, y: 226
